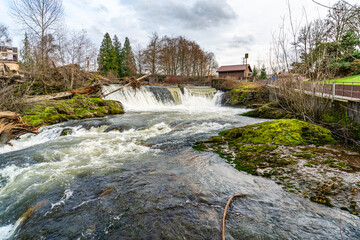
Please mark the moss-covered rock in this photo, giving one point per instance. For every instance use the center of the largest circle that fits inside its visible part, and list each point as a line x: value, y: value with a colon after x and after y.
x: 241, y: 94
x: 245, y: 97
x: 269, y: 110
x: 79, y: 107
x: 280, y: 132
x: 284, y: 151
x: 252, y: 147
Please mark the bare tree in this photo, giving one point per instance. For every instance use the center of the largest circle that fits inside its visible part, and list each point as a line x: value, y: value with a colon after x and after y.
x: 177, y: 56
x: 340, y: 19
x: 140, y: 59
x: 152, y: 54
x: 4, y: 35
x: 39, y: 17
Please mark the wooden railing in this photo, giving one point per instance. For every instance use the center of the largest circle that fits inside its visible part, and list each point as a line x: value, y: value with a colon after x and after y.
x: 334, y: 90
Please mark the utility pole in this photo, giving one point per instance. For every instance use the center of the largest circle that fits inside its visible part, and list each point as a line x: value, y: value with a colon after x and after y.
x: 246, y: 67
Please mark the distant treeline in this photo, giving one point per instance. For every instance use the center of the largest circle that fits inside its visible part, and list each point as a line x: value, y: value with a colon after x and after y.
x: 169, y: 56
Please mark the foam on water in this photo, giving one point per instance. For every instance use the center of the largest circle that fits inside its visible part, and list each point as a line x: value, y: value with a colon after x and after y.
x: 139, y: 99
x: 28, y: 140
x: 6, y: 231
x: 95, y: 152
x: 144, y: 99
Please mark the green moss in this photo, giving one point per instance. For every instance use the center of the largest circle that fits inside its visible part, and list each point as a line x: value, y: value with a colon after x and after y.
x: 288, y: 132
x: 246, y: 96
x: 253, y: 147
x: 66, y: 131
x: 340, y: 165
x: 269, y: 110
x: 311, y: 164
x: 79, y: 107
x: 306, y: 155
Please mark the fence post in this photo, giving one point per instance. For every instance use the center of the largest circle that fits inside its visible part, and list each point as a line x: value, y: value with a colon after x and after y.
x: 333, y: 92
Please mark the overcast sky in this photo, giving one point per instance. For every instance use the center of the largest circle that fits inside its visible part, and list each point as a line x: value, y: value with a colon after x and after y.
x: 228, y: 28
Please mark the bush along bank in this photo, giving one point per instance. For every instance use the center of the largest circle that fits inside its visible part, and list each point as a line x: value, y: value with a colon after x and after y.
x: 300, y: 156
x: 79, y: 107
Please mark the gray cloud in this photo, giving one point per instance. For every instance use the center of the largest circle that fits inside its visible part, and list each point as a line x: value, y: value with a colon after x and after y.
x: 242, y: 41
x: 200, y: 14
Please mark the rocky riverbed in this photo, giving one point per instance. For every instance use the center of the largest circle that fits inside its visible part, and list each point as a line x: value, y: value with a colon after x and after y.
x: 302, y: 157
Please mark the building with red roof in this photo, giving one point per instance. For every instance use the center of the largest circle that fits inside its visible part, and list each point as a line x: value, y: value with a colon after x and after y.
x: 235, y: 71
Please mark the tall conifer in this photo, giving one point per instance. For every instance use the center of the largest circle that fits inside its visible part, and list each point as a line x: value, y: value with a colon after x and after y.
x: 107, y: 56
x: 129, y: 59
x: 27, y: 61
x: 263, y: 73
x: 119, y: 57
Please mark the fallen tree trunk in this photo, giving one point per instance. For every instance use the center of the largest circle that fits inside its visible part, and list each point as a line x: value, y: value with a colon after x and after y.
x: 9, y: 115
x: 12, y: 126
x: 61, y: 95
x: 31, y: 99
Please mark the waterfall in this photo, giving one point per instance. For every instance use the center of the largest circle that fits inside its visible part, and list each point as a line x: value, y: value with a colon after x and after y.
x: 159, y: 97
x: 200, y: 91
x: 176, y: 94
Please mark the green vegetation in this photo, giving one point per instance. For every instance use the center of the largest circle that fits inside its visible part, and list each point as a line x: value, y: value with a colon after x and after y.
x: 52, y: 112
x: 306, y: 155
x: 128, y: 59
x: 107, y: 56
x: 255, y: 72
x: 269, y: 110
x: 337, y: 121
x: 282, y: 151
x: 322, y: 200
x: 253, y: 147
x: 241, y: 93
x: 355, y: 80
x: 116, y: 60
x: 263, y: 73
x: 288, y: 132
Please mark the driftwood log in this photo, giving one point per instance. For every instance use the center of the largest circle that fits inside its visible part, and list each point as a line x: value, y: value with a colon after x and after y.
x: 12, y: 126
x: 60, y: 95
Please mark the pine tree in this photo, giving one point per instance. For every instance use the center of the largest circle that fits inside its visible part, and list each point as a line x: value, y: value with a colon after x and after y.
x: 119, y: 57
x: 263, y: 73
x: 107, y: 56
x: 25, y: 54
x: 129, y: 59
x: 255, y: 72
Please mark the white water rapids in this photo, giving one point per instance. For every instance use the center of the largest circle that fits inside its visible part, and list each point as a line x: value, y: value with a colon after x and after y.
x: 156, y: 185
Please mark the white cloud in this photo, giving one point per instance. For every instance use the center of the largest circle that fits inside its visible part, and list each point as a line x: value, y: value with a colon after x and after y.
x: 229, y: 28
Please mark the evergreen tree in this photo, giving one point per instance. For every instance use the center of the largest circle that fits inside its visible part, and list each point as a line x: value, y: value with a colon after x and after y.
x: 25, y: 54
x: 119, y: 57
x: 129, y: 59
x: 107, y: 56
x: 255, y: 72
x: 263, y: 73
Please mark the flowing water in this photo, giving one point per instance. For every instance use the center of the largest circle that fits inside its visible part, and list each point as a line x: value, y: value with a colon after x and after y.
x: 135, y: 176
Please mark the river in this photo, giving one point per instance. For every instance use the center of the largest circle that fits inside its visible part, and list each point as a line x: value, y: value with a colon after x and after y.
x: 136, y: 176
